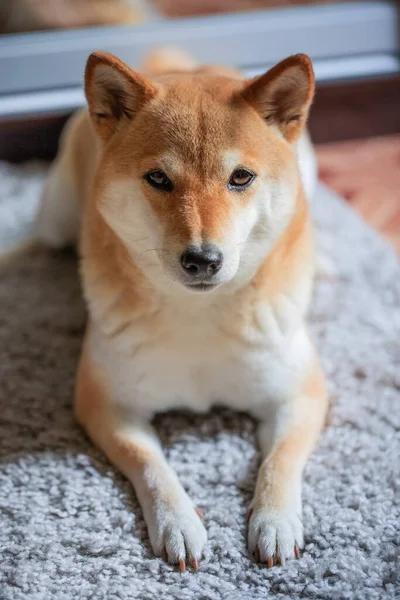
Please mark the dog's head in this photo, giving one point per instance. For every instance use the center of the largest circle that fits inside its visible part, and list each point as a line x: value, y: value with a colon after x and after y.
x: 198, y: 176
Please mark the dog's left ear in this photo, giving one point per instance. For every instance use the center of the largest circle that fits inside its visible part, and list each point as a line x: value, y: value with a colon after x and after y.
x: 284, y: 94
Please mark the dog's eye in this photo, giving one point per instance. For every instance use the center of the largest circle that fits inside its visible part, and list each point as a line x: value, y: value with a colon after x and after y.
x: 241, y: 178
x: 159, y: 180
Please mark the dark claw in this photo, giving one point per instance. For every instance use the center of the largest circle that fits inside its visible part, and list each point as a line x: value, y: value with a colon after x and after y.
x: 199, y: 513
x: 296, y: 551
x: 182, y: 566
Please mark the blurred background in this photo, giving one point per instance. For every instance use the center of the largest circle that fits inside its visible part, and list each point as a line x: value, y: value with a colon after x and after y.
x: 355, y: 121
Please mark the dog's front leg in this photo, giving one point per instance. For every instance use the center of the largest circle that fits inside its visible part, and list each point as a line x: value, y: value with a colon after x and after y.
x: 286, y: 440
x: 130, y: 443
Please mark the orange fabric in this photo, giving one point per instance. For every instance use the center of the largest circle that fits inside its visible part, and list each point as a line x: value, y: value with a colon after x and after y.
x: 367, y: 174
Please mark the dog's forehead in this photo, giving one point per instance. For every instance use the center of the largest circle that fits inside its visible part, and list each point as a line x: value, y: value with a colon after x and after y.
x: 197, y: 125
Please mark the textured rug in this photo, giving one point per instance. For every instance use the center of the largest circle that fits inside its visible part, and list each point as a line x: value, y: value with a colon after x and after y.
x: 70, y: 525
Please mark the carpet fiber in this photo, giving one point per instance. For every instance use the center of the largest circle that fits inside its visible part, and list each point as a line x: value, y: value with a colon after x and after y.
x: 70, y: 525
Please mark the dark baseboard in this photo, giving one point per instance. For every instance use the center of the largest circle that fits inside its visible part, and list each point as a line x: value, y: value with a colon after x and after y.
x: 36, y: 138
x: 356, y: 110
x: 341, y: 111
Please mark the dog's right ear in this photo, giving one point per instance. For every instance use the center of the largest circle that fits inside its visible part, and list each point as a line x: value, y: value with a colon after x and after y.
x: 114, y: 93
x: 283, y: 95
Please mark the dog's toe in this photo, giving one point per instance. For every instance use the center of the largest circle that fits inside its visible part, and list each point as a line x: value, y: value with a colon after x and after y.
x: 178, y: 535
x: 274, y: 536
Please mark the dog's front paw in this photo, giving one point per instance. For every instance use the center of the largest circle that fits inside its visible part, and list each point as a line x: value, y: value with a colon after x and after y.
x: 274, y: 536
x: 177, y: 533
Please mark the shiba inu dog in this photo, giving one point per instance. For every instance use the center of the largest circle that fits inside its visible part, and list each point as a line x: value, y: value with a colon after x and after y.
x: 186, y: 187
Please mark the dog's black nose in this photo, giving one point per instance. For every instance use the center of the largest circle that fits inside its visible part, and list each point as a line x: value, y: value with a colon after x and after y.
x: 202, y: 260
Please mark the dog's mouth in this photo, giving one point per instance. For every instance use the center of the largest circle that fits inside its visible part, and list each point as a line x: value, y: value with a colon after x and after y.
x: 201, y: 287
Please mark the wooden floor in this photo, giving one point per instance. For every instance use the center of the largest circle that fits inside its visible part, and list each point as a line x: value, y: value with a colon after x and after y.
x: 367, y: 174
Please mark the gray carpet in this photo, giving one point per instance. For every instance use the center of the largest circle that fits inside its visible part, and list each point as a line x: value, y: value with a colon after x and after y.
x: 70, y: 525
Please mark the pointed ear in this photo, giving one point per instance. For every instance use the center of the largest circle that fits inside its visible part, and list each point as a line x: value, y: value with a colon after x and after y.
x: 284, y: 94
x: 114, y: 93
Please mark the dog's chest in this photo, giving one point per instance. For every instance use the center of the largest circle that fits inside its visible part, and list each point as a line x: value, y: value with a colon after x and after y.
x: 194, y: 361
x: 195, y: 370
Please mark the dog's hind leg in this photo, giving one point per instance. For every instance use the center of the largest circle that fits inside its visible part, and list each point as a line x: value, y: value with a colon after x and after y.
x: 58, y: 218
x: 57, y: 221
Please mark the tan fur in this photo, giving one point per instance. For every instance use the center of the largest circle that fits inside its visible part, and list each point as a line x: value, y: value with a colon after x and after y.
x: 195, y: 123
x: 289, y: 454
x: 293, y: 250
x: 104, y: 427
x: 93, y: 413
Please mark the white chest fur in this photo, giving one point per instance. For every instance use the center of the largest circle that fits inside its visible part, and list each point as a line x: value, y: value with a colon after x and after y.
x: 194, y: 357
